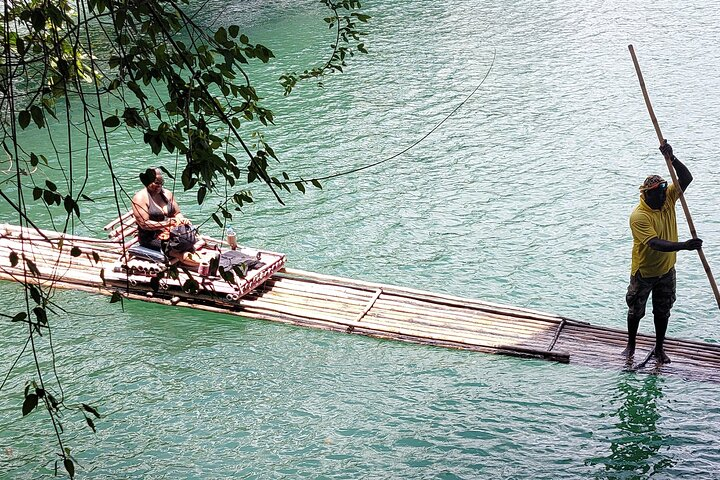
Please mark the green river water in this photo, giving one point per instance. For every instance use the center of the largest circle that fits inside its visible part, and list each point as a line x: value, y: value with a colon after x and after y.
x: 522, y: 197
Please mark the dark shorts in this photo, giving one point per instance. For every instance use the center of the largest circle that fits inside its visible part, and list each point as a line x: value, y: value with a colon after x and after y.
x: 663, y: 294
x: 154, y: 244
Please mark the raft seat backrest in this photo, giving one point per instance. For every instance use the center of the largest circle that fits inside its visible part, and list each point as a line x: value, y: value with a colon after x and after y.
x: 123, y: 229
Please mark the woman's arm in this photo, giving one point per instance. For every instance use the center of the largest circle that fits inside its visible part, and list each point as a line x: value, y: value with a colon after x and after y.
x: 178, y: 218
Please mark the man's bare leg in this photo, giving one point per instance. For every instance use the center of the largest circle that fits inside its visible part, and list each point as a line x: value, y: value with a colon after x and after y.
x: 632, y: 326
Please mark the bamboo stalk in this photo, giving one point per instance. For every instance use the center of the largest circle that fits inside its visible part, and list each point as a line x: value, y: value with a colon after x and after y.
x: 125, y: 232
x: 118, y: 220
x: 668, y: 162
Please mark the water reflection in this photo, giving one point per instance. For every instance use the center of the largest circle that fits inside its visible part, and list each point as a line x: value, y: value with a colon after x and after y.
x: 635, y: 440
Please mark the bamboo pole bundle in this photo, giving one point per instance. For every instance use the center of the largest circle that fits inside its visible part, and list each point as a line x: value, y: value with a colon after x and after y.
x: 507, y: 328
x: 52, y: 261
x: 462, y: 317
x: 416, y: 335
x: 49, y: 234
x: 469, y: 315
x: 617, y: 343
x: 59, y: 240
x: 420, y: 294
x: 422, y: 324
x: 32, y: 250
x: 67, y: 275
x: 52, y: 256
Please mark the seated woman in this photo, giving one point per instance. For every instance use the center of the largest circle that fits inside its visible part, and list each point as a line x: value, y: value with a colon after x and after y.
x: 156, y: 212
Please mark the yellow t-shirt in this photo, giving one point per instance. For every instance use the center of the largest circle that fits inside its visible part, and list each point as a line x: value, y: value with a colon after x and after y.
x: 646, y: 224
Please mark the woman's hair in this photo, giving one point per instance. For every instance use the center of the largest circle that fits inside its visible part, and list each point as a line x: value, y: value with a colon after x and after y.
x: 149, y: 175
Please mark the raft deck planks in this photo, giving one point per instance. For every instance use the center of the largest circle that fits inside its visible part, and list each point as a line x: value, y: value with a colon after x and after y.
x: 345, y: 305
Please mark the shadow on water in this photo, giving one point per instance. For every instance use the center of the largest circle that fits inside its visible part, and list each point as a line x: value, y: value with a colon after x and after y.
x: 635, y: 441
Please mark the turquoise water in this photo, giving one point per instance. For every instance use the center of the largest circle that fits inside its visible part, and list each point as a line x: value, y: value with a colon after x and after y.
x: 522, y: 198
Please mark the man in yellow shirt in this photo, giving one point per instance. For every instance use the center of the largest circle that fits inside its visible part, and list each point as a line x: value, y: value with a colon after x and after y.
x: 655, y: 241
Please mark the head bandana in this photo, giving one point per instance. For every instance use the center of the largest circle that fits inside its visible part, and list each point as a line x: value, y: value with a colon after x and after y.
x: 651, y: 182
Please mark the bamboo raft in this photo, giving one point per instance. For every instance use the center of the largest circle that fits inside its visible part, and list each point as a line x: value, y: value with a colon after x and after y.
x: 344, y: 305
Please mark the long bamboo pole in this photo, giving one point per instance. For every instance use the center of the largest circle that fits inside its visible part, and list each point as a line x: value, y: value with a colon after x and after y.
x: 668, y: 161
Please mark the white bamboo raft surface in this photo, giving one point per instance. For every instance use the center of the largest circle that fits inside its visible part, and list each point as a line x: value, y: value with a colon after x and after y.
x: 349, y: 306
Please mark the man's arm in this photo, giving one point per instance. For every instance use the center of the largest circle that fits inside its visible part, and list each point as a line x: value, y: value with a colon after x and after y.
x: 683, y: 174
x: 668, y: 246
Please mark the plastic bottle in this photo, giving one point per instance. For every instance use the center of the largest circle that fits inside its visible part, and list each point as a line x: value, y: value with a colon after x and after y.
x: 231, y: 238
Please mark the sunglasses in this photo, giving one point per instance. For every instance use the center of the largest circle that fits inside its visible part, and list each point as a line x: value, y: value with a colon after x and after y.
x: 661, y: 186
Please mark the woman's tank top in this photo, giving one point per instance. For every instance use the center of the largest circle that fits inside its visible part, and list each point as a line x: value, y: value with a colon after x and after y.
x: 156, y: 214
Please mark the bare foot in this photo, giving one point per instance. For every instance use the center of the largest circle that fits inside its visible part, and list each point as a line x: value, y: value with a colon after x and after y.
x: 661, y: 357
x: 629, y: 352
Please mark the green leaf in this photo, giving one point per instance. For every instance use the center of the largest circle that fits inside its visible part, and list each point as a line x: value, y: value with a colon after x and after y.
x: 90, y: 423
x: 233, y: 30
x: 191, y: 286
x: 96, y: 256
x: 119, y: 21
x: 37, y: 193
x: 75, y: 251
x: 202, y: 191
x: 69, y: 466
x: 361, y: 17
x: 70, y: 204
x: 300, y: 186
x: 48, y: 196
x: 166, y: 172
x: 19, y: 317
x: 116, y: 297
x: 29, y: 404
x: 38, y: 116
x: 316, y: 183
x: 13, y: 259
x: 38, y: 19
x: 221, y: 35
x: 24, y: 119
x: 91, y: 409
x: 33, y: 268
x: 51, y: 186
x: 35, y: 294
x: 20, y: 45
x: 41, y: 315
x: 111, y: 122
